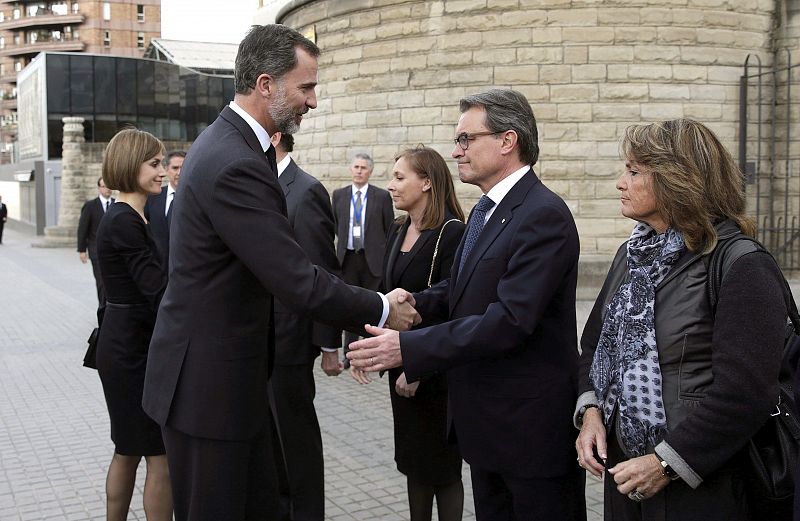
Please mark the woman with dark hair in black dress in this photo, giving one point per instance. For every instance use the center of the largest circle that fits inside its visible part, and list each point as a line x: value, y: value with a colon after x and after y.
x: 419, y: 253
x: 134, y: 280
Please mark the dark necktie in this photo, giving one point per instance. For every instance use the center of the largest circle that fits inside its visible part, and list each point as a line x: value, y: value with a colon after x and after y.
x: 358, y: 242
x: 107, y: 203
x: 273, y: 163
x: 474, y: 228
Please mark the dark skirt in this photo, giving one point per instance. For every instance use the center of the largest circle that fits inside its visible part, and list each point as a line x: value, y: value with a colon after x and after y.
x: 720, y: 497
x: 421, y: 449
x: 121, y: 362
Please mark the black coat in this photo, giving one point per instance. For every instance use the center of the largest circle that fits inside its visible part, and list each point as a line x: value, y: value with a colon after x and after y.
x: 378, y: 218
x: 154, y: 212
x: 91, y: 213
x: 298, y: 338
x: 232, y: 252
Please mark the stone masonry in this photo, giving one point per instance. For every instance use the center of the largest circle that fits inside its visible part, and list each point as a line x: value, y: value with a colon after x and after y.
x: 392, y: 71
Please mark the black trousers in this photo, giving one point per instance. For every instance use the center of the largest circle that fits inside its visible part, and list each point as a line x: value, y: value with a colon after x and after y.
x: 2, y: 224
x: 355, y: 271
x: 504, y: 498
x: 98, y: 280
x: 294, y: 389
x: 219, y: 480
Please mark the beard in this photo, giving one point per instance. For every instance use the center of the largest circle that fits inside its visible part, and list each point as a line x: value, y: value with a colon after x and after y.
x: 282, y: 113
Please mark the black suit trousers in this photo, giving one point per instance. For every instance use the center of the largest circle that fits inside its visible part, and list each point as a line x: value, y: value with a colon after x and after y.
x: 500, y: 497
x: 243, y: 475
x: 98, y: 280
x: 294, y: 390
x: 355, y: 271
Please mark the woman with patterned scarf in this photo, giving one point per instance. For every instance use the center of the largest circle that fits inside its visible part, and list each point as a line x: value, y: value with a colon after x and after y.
x: 670, y: 391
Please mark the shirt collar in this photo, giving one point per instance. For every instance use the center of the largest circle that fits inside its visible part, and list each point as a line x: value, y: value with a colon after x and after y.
x: 170, y: 190
x: 283, y: 164
x: 103, y: 200
x: 356, y: 189
x: 261, y: 133
x: 501, y: 189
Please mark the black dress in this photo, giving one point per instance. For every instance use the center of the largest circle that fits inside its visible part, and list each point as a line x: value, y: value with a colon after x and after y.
x: 134, y: 280
x: 421, y: 448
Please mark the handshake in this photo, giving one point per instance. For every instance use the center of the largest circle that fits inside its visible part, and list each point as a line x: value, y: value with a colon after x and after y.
x: 382, y: 351
x: 402, y: 315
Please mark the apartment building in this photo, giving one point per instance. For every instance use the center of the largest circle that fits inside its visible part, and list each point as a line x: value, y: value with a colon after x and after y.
x: 28, y: 27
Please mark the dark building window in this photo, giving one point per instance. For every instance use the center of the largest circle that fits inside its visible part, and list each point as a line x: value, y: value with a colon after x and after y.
x: 140, y: 40
x: 113, y: 92
x: 107, y: 39
x: 140, y: 12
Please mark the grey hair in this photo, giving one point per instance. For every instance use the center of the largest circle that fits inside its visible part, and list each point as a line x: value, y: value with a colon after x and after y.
x: 362, y: 155
x: 508, y: 110
x: 268, y: 49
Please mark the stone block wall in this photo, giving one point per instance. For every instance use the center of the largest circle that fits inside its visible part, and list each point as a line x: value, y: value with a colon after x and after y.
x: 392, y: 71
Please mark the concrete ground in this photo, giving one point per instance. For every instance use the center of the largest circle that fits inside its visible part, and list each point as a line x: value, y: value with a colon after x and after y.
x: 54, y: 431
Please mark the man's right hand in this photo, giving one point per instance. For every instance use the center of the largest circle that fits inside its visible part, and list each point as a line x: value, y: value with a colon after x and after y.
x: 402, y: 315
x: 85, y: 258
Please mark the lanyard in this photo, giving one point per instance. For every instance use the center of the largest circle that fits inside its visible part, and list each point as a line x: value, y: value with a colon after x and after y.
x: 357, y: 212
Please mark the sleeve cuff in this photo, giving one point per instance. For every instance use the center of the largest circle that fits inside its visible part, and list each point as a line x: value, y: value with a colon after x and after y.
x: 385, y: 314
x: 329, y: 349
x: 587, y: 398
x: 678, y: 464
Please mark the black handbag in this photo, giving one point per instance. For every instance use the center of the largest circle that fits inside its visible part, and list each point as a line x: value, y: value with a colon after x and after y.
x: 772, y: 453
x: 90, y: 358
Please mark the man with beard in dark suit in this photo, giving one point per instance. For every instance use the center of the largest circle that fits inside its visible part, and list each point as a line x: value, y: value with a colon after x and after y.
x: 158, y: 209
x: 92, y: 211
x: 299, y: 340
x: 232, y: 254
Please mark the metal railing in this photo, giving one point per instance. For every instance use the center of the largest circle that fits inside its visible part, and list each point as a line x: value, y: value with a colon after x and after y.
x: 769, y: 152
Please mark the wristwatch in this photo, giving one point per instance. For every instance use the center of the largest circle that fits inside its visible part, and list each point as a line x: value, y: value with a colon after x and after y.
x: 666, y: 470
x: 583, y: 410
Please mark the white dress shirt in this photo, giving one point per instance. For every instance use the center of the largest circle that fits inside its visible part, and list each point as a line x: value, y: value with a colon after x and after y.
x: 283, y: 164
x: 501, y: 189
x: 104, y: 202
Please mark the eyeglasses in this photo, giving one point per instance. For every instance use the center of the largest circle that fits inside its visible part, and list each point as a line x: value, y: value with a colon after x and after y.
x: 464, y: 138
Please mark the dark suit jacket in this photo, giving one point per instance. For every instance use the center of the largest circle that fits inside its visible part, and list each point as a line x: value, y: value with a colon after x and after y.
x: 231, y: 252
x: 377, y: 220
x: 510, y: 346
x: 159, y: 226
x: 3, y: 212
x: 297, y: 338
x: 91, y: 213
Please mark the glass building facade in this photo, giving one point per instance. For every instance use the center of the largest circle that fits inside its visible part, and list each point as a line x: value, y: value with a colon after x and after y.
x: 169, y: 101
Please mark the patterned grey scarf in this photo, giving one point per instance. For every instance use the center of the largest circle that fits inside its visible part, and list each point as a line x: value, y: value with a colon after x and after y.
x: 625, y: 370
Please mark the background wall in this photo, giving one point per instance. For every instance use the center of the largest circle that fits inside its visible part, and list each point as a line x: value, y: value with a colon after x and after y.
x: 392, y: 71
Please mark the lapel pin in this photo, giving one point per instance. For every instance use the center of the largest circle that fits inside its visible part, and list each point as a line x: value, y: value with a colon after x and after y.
x: 503, y: 221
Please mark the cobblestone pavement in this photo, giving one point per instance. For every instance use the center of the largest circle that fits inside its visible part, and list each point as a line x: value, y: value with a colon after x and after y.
x: 54, y: 432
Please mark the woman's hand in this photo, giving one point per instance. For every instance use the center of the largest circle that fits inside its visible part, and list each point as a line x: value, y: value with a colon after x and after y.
x: 593, y: 434
x: 360, y: 376
x: 643, y: 474
x: 404, y: 388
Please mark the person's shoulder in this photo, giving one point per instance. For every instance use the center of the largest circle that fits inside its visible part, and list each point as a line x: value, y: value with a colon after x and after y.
x: 382, y: 192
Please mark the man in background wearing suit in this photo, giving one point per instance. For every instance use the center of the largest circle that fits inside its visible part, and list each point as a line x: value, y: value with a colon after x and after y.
x: 92, y: 211
x: 232, y: 253
x: 3, y: 218
x: 510, y: 346
x: 158, y: 209
x: 363, y: 214
x: 299, y: 340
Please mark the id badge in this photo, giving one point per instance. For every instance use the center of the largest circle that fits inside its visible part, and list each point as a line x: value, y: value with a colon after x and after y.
x: 356, y: 232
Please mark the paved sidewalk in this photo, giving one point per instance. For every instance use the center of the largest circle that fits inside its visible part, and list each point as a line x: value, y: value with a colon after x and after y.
x: 54, y: 432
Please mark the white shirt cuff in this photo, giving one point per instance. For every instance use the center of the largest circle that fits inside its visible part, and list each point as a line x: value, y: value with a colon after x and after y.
x: 329, y: 349
x: 385, y: 314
